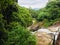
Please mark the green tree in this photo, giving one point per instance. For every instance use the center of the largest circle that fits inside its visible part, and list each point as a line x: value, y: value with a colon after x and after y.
x: 11, y: 10
x: 51, y: 12
x: 3, y: 32
x: 33, y: 13
x: 13, y: 19
x: 18, y: 35
x: 43, y: 14
x: 25, y: 16
x: 54, y: 9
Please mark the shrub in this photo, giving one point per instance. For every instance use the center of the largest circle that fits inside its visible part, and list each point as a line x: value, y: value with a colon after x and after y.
x: 18, y: 35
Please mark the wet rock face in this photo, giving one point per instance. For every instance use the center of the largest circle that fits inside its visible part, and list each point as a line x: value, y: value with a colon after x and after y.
x: 33, y: 27
x: 43, y: 38
x: 58, y: 40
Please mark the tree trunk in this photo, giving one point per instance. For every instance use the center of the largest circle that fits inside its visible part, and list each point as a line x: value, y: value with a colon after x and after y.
x: 58, y: 39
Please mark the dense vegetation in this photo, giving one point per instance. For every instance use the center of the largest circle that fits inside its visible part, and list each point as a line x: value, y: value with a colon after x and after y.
x: 15, y: 19
x: 48, y: 15
x: 13, y: 22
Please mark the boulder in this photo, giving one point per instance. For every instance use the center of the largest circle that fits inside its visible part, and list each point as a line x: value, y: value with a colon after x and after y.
x: 43, y: 38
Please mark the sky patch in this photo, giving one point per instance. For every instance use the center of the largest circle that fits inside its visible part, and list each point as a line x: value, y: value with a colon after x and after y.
x: 33, y: 3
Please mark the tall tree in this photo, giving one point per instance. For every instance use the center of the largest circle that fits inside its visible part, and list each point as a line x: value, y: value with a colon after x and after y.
x: 13, y: 19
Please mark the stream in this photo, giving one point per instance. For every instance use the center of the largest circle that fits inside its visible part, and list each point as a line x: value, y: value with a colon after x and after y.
x: 55, y: 33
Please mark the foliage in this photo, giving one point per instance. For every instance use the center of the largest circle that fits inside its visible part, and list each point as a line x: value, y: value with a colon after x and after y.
x: 33, y: 13
x: 3, y: 32
x: 51, y: 12
x: 18, y: 35
x: 13, y: 22
x: 13, y: 12
x: 25, y: 16
x: 43, y: 14
x: 5, y: 3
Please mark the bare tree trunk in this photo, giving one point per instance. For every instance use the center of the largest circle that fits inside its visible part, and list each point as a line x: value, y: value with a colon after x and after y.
x: 58, y: 39
x: 54, y: 42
